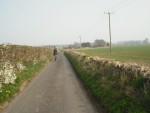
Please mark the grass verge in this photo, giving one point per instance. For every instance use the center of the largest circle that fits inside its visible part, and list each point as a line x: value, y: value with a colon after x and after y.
x: 10, y: 90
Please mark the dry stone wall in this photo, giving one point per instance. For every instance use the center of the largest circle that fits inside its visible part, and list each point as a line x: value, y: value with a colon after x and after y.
x: 14, y: 59
x: 125, y: 72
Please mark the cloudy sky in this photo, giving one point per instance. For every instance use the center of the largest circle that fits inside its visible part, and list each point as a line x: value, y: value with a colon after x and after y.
x: 39, y: 22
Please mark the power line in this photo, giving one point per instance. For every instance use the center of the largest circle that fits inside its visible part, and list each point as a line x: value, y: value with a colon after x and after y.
x: 122, y: 4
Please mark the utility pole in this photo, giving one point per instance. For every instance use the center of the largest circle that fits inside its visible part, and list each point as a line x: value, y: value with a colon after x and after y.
x: 80, y: 41
x: 109, y: 13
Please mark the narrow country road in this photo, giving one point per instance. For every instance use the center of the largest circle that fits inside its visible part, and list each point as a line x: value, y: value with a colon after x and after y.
x: 55, y: 90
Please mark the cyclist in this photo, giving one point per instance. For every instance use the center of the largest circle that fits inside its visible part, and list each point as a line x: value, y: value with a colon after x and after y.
x: 55, y: 53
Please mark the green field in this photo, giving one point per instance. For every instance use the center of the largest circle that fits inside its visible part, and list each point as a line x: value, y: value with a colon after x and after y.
x: 138, y: 54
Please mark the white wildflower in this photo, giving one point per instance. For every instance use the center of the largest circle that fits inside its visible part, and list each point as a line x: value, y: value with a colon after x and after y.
x: 20, y: 66
x: 35, y: 61
x: 7, y: 73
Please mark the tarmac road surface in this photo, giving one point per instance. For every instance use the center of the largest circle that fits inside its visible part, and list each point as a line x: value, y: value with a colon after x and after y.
x: 55, y: 90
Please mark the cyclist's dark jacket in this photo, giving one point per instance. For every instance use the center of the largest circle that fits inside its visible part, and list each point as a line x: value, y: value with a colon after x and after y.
x: 55, y: 52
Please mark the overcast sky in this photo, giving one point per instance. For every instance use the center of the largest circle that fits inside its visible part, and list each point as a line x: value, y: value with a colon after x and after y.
x: 40, y: 22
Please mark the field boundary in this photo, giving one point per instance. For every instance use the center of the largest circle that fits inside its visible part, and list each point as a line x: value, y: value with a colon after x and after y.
x: 119, y: 87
